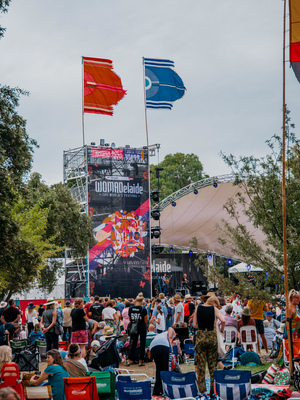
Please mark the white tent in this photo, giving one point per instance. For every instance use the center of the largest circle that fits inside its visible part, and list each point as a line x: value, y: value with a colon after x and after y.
x: 242, y: 267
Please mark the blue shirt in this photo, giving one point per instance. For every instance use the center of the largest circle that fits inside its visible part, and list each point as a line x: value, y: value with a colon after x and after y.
x: 55, y: 379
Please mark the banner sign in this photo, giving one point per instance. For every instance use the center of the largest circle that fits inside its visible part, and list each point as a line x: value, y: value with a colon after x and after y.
x: 118, y: 196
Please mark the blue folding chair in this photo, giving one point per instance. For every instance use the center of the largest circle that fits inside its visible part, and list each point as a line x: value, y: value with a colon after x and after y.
x: 134, y: 390
x: 189, y: 350
x: 179, y: 386
x: 232, y: 385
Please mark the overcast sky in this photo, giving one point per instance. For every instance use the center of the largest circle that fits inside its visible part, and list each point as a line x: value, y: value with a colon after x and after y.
x: 227, y: 52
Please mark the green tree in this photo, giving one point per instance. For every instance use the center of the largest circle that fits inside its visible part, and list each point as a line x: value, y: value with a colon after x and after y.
x: 3, y: 9
x: 260, y: 199
x: 179, y: 170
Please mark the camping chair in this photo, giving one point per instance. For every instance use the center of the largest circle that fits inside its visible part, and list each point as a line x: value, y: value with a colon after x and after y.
x: 82, y: 388
x: 10, y: 378
x: 27, y: 361
x: 248, y: 331
x: 106, y: 384
x: 229, y: 341
x: 38, y: 392
x: 179, y: 386
x: 189, y: 350
x: 134, y: 390
x: 232, y: 385
x: 18, y: 345
x: 41, y: 347
x: 63, y: 345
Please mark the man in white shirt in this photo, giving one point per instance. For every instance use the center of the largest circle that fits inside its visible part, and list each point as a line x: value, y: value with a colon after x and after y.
x: 179, y: 311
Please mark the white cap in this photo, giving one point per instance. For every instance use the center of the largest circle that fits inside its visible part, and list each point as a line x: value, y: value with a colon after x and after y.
x: 95, y: 343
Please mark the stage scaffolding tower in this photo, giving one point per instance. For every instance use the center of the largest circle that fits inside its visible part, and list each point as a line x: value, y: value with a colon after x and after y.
x: 75, y: 177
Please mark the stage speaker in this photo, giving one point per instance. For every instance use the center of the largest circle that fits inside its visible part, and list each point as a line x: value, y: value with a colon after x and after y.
x: 198, y: 287
x: 182, y: 292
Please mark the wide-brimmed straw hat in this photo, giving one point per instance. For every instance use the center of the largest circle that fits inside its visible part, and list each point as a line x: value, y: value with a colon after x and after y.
x: 246, y: 311
x: 49, y: 301
x: 105, y: 329
x: 3, y: 304
x: 109, y: 333
x: 177, y: 297
x: 281, y: 328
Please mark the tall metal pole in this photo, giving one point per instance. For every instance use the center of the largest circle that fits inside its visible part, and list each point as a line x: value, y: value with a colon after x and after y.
x: 286, y: 286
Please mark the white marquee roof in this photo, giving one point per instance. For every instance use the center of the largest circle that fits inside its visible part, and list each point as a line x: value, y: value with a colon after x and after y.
x: 197, y: 215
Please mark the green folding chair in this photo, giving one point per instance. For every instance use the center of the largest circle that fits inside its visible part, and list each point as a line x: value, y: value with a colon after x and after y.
x: 106, y: 384
x: 18, y: 345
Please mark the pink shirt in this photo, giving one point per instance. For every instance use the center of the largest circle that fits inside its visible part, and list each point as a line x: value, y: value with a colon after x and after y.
x: 125, y: 317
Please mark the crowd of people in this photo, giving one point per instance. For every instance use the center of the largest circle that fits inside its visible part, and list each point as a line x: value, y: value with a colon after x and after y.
x: 87, y: 325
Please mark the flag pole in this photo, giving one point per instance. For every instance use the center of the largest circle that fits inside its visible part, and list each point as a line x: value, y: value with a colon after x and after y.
x: 286, y: 286
x: 147, y: 140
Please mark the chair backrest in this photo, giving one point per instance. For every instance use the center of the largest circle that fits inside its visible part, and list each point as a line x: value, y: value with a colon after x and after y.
x: 105, y: 382
x: 18, y: 345
x: 81, y: 388
x: 38, y: 392
x: 134, y: 390
x: 233, y: 384
x: 10, y: 369
x: 149, y: 340
x: 248, y: 331
x: 63, y: 345
x: 230, y: 335
x: 177, y: 386
x: 182, y: 333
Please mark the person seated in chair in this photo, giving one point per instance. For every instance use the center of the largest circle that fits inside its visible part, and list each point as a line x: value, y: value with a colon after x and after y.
x: 269, y: 334
x: 36, y: 334
x: 75, y: 364
x: 5, y: 355
x: 230, y: 320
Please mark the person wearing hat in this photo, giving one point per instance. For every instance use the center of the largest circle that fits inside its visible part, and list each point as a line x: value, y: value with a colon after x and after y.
x: 3, y: 306
x: 206, y: 343
x: 91, y: 353
x: 49, y: 318
x: 189, y: 308
x: 67, y: 321
x: 246, y: 320
x: 99, y: 330
x: 31, y: 316
x: 138, y: 314
x: 179, y: 311
x: 274, y: 324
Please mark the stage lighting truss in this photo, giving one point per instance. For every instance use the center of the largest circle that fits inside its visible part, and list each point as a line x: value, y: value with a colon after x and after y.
x: 195, y: 186
x: 157, y: 249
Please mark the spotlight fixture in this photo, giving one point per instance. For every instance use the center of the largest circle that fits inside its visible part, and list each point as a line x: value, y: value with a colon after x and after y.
x: 171, y: 249
x: 229, y: 261
x: 173, y: 203
x: 155, y: 214
x: 195, y: 191
x: 215, y: 183
x: 155, y: 195
x: 155, y: 232
x: 156, y: 249
x: 248, y: 267
x: 209, y: 256
x: 191, y: 252
x: 267, y: 273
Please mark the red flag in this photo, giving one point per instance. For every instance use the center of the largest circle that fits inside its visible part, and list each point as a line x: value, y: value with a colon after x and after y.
x: 295, y: 37
x: 102, y: 87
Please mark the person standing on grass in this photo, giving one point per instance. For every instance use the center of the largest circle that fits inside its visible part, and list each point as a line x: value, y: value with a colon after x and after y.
x: 79, y: 333
x: 257, y: 308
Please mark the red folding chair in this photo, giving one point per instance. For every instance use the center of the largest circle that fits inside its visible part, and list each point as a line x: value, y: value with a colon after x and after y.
x: 63, y: 345
x: 81, y: 388
x: 10, y: 378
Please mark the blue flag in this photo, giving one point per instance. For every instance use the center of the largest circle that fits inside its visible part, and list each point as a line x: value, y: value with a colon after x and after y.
x: 162, y: 84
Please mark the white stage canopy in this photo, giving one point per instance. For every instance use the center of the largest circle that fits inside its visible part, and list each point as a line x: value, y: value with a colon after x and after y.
x: 242, y: 267
x: 199, y: 208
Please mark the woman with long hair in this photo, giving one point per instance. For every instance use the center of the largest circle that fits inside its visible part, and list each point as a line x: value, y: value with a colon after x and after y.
x: 30, y: 315
x: 5, y: 355
x: 75, y: 364
x: 294, y: 299
x: 79, y: 333
x: 49, y: 318
x: 206, y: 344
x: 137, y: 313
x: 55, y: 372
x: 160, y: 320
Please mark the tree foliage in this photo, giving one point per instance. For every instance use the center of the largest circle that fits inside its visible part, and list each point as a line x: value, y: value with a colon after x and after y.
x: 260, y: 199
x: 179, y: 170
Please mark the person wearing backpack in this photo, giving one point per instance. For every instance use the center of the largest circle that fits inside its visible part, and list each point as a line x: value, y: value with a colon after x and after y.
x: 189, y: 308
